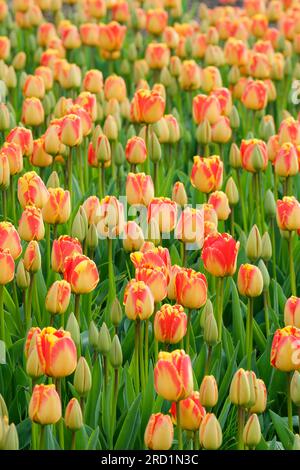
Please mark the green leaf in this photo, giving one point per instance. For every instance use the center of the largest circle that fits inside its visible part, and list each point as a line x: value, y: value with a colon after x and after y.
x: 93, y: 442
x: 224, y: 387
x: 131, y: 427
x: 283, y: 432
x: 238, y: 329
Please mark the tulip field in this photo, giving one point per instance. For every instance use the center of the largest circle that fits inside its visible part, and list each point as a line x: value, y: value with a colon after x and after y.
x: 149, y: 225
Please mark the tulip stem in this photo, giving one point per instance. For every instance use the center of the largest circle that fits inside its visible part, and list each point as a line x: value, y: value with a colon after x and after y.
x: 42, y: 438
x: 266, y: 309
x: 2, y: 325
x: 183, y: 254
x: 142, y: 365
x: 29, y: 300
x: 258, y: 205
x: 196, y: 440
x: 220, y: 296
x: 249, y: 332
x: 179, y: 430
x: 69, y: 171
x: 105, y: 371
x: 60, y: 423
x: 77, y: 307
x: 4, y: 203
x: 155, y: 177
x: 208, y: 359
x: 136, y: 356
x: 241, y: 422
x: 146, y: 349
x: 289, y: 402
x: 73, y: 440
x: 12, y: 200
x: 100, y: 181
x: 292, y: 267
x: 111, y: 277
x: 232, y: 221
x: 241, y: 193
x: 114, y: 405
x: 188, y: 330
x: 48, y: 251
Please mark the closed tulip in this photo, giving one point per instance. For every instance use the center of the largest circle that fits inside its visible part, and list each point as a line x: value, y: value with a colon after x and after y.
x: 190, y: 226
x: 63, y: 247
x: 133, y: 236
x: 7, y: 267
x: 138, y: 300
x: 15, y: 158
x: 39, y: 156
x: 111, y: 217
x: 207, y: 173
x: 73, y: 415
x: 286, y: 161
x: 32, y: 190
x: 292, y: 312
x: 288, y: 213
x: 115, y: 88
x: 285, y: 349
x: 220, y: 203
x: 164, y: 211
x: 170, y: 324
x: 157, y: 55
x: 210, y: 433
x: 23, y: 137
x: 32, y: 257
x: 261, y: 398
x: 44, y: 405
x: 219, y: 254
x: 191, y: 288
x: 254, y: 155
x: 111, y: 37
x: 81, y: 272
x: 57, y: 352
x: 254, y: 95
x: 208, y: 394
x: 71, y: 130
x: 206, y: 108
x: 31, y: 225
x: 239, y: 393
x: 136, y: 151
x: 57, y: 208
x: 191, y: 412
x: 58, y: 297
x: 10, y: 239
x: 139, y: 189
x: 34, y: 87
x: 159, y: 432
x: 190, y: 75
x: 173, y: 377
x: 250, y: 280
x: 33, y: 113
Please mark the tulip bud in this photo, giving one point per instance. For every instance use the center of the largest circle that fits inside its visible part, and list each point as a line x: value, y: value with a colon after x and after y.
x: 266, y: 252
x: 208, y: 391
x: 33, y: 365
x: 252, y: 386
x: 82, y: 377
x: 53, y: 180
x: 270, y: 204
x: 179, y: 194
x: 203, y: 132
x: 92, y: 237
x: 79, y: 227
x: 234, y: 75
x: 165, y: 77
x: 11, y: 77
x: 159, y: 432
x: 265, y: 274
x: 116, y: 313
x: 239, y: 393
x: 119, y: 154
x: 22, y: 276
x: 12, y: 439
x: 295, y: 388
x: 3, y: 430
x: 257, y: 158
x: 207, y: 310
x: 115, y: 354
x: 110, y: 128
x: 3, y: 407
x: 210, y: 433
x: 234, y: 118
x: 231, y: 192
x: 73, y: 415
x: 104, y: 340
x: 154, y: 148
x: 235, y: 156
x: 4, y: 117
x: 252, y: 432
x: 254, y: 244
x: 32, y: 257
x: 210, y: 332
x: 93, y: 335
x: 73, y: 328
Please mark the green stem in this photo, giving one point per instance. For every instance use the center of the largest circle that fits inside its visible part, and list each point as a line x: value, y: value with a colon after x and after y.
x: 48, y: 252
x: 155, y: 178
x: 12, y: 200
x: 232, y: 221
x: 77, y: 307
x: 42, y: 438
x: 146, y: 349
x: 4, y: 203
x: 111, y: 277
x: 196, y: 440
x: 266, y: 310
x: 73, y: 440
x: 114, y: 404
x: 292, y: 267
x: 289, y: 402
x: 241, y: 193
x: 179, y: 430
x: 2, y: 324
x: 257, y: 192
x: 70, y: 169
x: 249, y: 332
x: 60, y: 424
x: 105, y: 372
x: 142, y: 365
x: 136, y: 356
x: 220, y: 295
x: 29, y: 301
x: 241, y: 423
x: 188, y: 331
x: 208, y: 359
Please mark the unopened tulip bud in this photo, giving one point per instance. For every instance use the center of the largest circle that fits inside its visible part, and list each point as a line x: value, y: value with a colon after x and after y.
x: 270, y: 204
x: 92, y: 237
x: 22, y: 276
x: 159, y: 432
x: 115, y: 354
x: 110, y: 128
x: 3, y: 407
x: 154, y: 148
x: 296, y: 445
x: 73, y: 328
x: 252, y: 386
x: 96, y: 133
x: 235, y: 156
x: 132, y: 52
x: 210, y: 433
x: 11, y: 77
x: 234, y: 118
x: 32, y: 257
x: 266, y: 252
x: 265, y: 274
x: 58, y: 297
x: 104, y: 340
x: 239, y: 393
x: 203, y: 132
x: 232, y: 192
x: 234, y: 75
x: 93, y: 335
x: 208, y: 392
x: 12, y: 439
x: 4, y: 117
x: 254, y: 244
x: 116, y: 313
x: 210, y: 331
x: 207, y: 310
x: 252, y: 432
x: 73, y: 415
x: 165, y: 77
x: 82, y: 377
x: 179, y: 194
x: 33, y: 364
x: 53, y: 180
x: 79, y: 228
x: 295, y: 388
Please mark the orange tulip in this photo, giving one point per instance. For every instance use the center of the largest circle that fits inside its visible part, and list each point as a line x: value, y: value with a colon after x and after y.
x: 57, y: 209
x: 32, y: 112
x: 220, y: 203
x: 289, y: 131
x: 285, y: 349
x: 63, y: 247
x: 71, y: 130
x: 138, y: 300
x: 7, y: 267
x: 133, y: 236
x: 46, y: 74
x: 191, y: 412
x: 288, y: 213
x: 191, y: 288
x: 13, y: 152
x: 93, y: 81
x: 173, y: 375
x: 147, y: 106
x: 81, y: 272
x: 163, y: 211
x: 292, y: 312
x: 156, y: 21
x: 286, y: 161
x: 32, y: 257
x: 190, y: 226
x: 249, y: 149
x: 31, y: 225
x: 135, y: 150
x: 159, y: 432
x: 139, y: 189
x: 45, y: 32
x: 111, y: 217
x: 219, y: 254
x: 10, y: 239
x: 4, y: 47
x: 32, y: 190
x: 111, y: 38
x: 45, y: 405
x: 235, y: 52
x: 207, y: 173
x: 34, y: 87
x: 39, y: 156
x: 115, y: 87
x: 190, y: 75
x: 206, y: 107
x: 255, y: 95
x: 250, y: 280
x: 58, y: 297
x: 211, y: 79
x: 157, y: 55
x: 170, y: 324
x: 173, y: 270
x: 92, y: 209
x: 87, y: 101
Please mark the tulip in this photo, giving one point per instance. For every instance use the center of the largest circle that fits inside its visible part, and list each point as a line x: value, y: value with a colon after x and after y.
x: 58, y: 297
x: 292, y: 312
x: 252, y: 432
x: 135, y: 151
x: 46, y: 74
x: 254, y: 244
x: 57, y: 352
x: 147, y: 107
x: 219, y: 254
x: 23, y: 137
x: 34, y: 87
x: 210, y: 434
x: 207, y: 173
x: 63, y: 247
x: 159, y: 432
x: 191, y: 412
x: 220, y: 203
x: 155, y: 279
x: 82, y: 377
x: 288, y: 213
x: 115, y: 87
x: 57, y: 208
x: 31, y: 226
x: 190, y: 75
x: 163, y: 211
x: 289, y: 131
x: 32, y: 257
x: 45, y: 405
x: 81, y: 272
x: 179, y: 194
x: 139, y: 189
x: 32, y: 112
x: 138, y: 300
x: 15, y: 158
x: 32, y: 190
x: 111, y: 37
x: 261, y: 398
x: 284, y: 353
x: 71, y: 130
x: 39, y: 157
x: 286, y: 161
x: 10, y: 239
x: 190, y: 227
x: 191, y: 288
x: 208, y: 394
x: 73, y: 415
x: 254, y: 155
x: 170, y: 324
x: 133, y: 237
x: 254, y: 95
x: 157, y: 55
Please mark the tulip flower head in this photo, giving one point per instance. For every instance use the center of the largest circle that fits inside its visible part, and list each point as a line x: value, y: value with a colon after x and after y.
x: 173, y: 378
